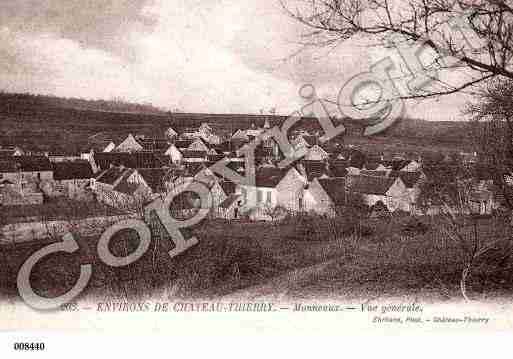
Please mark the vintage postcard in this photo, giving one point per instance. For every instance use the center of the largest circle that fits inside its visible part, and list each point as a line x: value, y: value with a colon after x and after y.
x: 281, y: 166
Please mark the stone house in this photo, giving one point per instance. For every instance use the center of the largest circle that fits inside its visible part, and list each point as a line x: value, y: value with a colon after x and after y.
x: 390, y: 191
x: 71, y: 179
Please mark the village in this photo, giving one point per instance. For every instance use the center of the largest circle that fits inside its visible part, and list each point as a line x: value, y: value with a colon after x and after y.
x: 121, y: 177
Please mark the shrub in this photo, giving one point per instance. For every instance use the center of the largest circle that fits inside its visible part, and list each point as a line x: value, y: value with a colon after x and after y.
x: 312, y: 227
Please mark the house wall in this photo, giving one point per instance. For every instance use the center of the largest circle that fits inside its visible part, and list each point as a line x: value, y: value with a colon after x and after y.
x: 287, y: 194
x: 316, y: 153
x: 195, y: 160
x: 396, y: 198
x: 254, y: 197
x: 57, y: 159
x: 175, y: 155
x: 22, y: 199
x: 73, y: 188
x: 290, y: 190
x: 316, y: 200
x: 16, y: 177
x: 218, y: 196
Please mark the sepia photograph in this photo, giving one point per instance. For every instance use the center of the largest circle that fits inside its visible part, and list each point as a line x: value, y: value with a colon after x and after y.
x: 297, y: 165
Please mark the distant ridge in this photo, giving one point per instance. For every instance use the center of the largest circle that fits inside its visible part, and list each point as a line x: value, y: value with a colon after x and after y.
x: 13, y: 101
x: 46, y: 121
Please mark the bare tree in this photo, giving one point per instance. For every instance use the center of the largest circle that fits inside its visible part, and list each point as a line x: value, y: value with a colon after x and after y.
x: 447, y: 196
x: 448, y: 28
x: 493, y: 113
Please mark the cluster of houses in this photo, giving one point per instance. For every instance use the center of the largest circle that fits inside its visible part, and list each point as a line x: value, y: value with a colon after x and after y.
x: 138, y: 169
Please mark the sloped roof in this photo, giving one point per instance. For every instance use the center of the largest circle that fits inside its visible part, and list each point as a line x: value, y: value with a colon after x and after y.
x: 194, y: 154
x: 215, y: 158
x: 151, y: 144
x: 229, y: 201
x: 198, y: 145
x: 132, y: 160
x: 228, y: 187
x: 183, y: 143
x: 410, y: 179
x: 124, y: 186
x: 171, y: 132
x: 154, y: 177
x: 314, y: 169
x: 192, y: 169
x: 30, y: 163
x: 396, y: 164
x: 377, y: 185
x: 129, y: 143
x: 111, y: 175
x: 335, y: 189
x: 72, y: 170
x: 374, y: 173
x: 269, y: 176
x: 240, y: 134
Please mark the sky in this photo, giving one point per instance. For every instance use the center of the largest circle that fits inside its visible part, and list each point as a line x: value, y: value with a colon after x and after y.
x: 220, y: 56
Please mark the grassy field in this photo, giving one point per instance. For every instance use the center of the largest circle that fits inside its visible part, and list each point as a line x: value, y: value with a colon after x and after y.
x: 236, y: 256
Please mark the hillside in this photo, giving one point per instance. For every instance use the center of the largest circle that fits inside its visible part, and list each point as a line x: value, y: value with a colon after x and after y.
x: 45, y: 122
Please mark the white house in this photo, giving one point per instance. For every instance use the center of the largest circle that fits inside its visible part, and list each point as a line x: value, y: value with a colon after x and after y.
x: 174, y: 153
x: 324, y: 195
x: 274, y: 187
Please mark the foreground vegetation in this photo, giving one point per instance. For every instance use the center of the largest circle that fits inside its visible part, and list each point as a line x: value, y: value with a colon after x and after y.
x: 376, y: 258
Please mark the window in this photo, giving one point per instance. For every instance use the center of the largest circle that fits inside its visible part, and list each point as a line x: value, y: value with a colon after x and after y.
x: 260, y: 196
x: 269, y: 198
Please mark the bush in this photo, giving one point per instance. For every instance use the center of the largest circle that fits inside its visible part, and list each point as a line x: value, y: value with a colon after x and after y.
x: 414, y: 226
x: 312, y: 227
